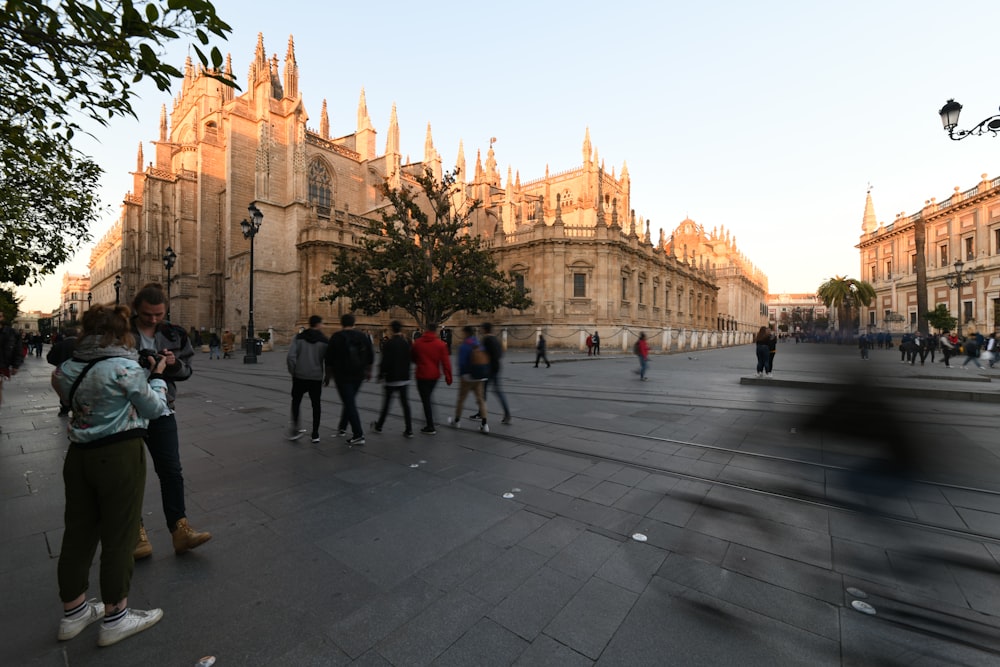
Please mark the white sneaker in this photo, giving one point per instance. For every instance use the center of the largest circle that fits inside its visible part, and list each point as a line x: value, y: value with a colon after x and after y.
x: 71, y: 627
x: 134, y: 622
x: 454, y: 423
x: 296, y: 433
x: 485, y: 428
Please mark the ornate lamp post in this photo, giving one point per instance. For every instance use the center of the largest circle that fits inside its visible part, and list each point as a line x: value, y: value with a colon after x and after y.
x: 250, y: 228
x: 118, y: 287
x: 949, y: 118
x: 169, y: 259
x: 956, y: 281
x: 90, y: 297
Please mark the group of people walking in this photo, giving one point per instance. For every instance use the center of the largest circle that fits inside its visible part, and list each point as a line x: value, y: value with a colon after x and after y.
x: 919, y: 346
x: 348, y: 359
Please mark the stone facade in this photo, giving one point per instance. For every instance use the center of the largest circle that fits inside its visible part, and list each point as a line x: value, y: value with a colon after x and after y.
x: 571, y: 237
x: 965, y: 227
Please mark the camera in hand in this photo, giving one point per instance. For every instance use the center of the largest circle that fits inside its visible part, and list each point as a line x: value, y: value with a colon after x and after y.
x: 144, y: 356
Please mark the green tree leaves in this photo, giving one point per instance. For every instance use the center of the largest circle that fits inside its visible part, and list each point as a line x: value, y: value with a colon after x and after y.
x: 62, y: 62
x: 421, y: 258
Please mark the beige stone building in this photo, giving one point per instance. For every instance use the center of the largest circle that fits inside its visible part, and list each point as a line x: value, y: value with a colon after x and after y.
x: 75, y: 298
x: 964, y: 227
x: 571, y: 237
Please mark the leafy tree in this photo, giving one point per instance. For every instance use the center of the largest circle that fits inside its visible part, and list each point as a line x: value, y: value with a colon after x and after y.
x: 420, y: 257
x: 64, y: 62
x: 9, y: 304
x: 941, y: 319
x: 845, y: 294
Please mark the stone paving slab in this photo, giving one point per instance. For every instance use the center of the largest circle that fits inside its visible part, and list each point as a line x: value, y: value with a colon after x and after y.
x: 328, y: 555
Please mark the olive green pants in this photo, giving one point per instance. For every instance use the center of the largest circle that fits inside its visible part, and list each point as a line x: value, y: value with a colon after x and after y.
x: 104, y: 490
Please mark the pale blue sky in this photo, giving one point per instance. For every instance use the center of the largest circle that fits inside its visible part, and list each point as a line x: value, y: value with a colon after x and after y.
x: 767, y: 118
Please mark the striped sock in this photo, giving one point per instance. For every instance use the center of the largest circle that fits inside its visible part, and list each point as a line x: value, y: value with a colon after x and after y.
x: 111, y: 619
x: 75, y: 611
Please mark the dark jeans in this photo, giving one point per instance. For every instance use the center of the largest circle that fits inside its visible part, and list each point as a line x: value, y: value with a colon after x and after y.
x: 104, y: 489
x: 494, y: 381
x: 300, y: 388
x: 425, y: 388
x: 164, y: 449
x: 541, y: 356
x: 763, y: 352
x: 386, y: 395
x: 770, y: 362
x: 348, y: 389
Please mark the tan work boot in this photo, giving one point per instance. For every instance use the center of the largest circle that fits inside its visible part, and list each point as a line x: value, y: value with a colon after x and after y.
x: 143, y: 549
x: 186, y: 537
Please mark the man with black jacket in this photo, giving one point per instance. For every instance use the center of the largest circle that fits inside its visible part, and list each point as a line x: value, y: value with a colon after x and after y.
x: 305, y: 362
x: 349, y: 359
x: 394, y: 372
x: 494, y: 348
x: 153, y: 333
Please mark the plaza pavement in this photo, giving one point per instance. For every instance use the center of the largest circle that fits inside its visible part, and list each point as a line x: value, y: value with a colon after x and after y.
x: 406, y: 552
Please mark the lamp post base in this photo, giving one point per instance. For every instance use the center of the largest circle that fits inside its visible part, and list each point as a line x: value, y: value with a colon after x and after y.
x: 250, y: 359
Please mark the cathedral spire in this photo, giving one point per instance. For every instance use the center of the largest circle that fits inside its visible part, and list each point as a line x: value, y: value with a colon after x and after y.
x: 324, y: 122
x: 364, y: 120
x: 163, y: 122
x: 869, y: 224
x: 392, y: 137
x: 291, y: 71
x: 139, y: 160
x: 587, y: 148
x: 429, y: 151
x: 277, y: 92
x: 460, y: 162
x: 227, y: 71
x: 260, y: 70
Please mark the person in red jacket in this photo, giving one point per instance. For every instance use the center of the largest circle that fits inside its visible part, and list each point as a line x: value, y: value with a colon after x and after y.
x: 642, y: 351
x: 430, y: 354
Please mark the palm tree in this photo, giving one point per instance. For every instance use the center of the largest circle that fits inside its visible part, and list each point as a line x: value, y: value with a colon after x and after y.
x: 844, y: 294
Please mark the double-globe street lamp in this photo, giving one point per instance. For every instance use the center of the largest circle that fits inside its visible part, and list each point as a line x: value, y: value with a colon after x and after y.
x: 118, y: 288
x: 957, y: 281
x: 949, y: 118
x: 169, y: 259
x: 250, y: 228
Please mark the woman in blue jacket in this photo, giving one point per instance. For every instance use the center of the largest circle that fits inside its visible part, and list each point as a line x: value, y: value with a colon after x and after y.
x: 105, y: 471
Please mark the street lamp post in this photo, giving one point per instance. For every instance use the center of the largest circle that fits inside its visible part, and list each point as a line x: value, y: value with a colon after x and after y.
x: 72, y: 314
x: 169, y: 259
x: 250, y: 228
x: 956, y: 281
x: 118, y: 287
x: 949, y: 118
x: 90, y: 297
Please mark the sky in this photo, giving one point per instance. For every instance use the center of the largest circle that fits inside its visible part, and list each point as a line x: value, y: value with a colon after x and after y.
x: 771, y: 119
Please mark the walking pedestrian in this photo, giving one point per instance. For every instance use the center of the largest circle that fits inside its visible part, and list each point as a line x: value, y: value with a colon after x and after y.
x: 104, y: 472
x: 430, y: 354
x: 762, y: 349
x: 153, y: 333
x: 214, y: 346
x: 11, y: 353
x: 540, y: 352
x: 473, y: 369
x: 228, y: 342
x: 306, y: 364
x: 590, y: 345
x: 596, y: 339
x: 864, y: 344
x: 971, y: 346
x: 947, y: 347
x: 394, y: 373
x: 494, y: 348
x: 642, y: 351
x: 349, y: 359
x: 772, y: 349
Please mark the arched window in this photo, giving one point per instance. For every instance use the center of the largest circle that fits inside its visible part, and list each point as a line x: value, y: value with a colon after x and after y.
x: 320, y: 187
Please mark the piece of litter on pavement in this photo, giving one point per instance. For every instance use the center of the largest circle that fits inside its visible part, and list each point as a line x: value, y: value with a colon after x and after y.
x: 638, y: 537
x: 207, y: 661
x: 414, y: 465
x: 516, y: 490
x: 508, y: 495
x: 863, y: 607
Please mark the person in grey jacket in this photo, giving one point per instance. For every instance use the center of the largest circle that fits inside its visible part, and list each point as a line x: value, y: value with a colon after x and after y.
x: 306, y: 365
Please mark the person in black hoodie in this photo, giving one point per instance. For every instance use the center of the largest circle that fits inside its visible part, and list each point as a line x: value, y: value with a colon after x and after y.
x: 394, y: 371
